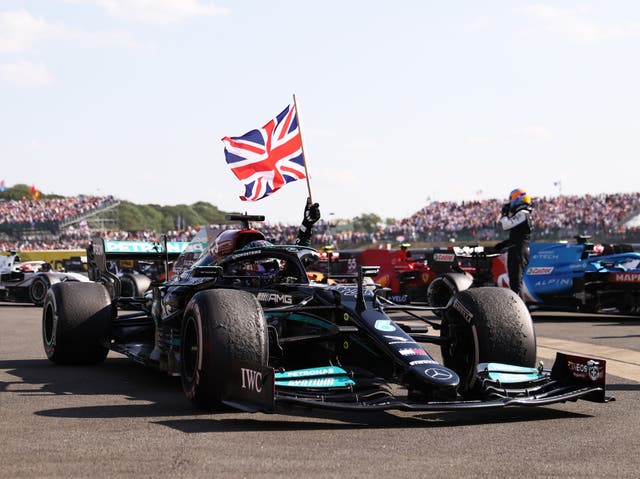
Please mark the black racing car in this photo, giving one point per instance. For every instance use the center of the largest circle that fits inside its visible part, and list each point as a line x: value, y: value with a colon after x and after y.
x: 242, y: 325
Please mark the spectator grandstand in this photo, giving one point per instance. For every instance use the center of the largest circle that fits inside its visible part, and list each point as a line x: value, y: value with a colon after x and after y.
x: 605, y: 217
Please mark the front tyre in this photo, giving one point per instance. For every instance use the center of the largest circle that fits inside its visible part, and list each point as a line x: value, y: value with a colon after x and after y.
x: 76, y: 323
x: 487, y: 324
x: 219, y: 326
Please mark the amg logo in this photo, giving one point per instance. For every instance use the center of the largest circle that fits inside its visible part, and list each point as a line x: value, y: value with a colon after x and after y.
x: 626, y: 278
x: 251, y: 380
x: 275, y: 298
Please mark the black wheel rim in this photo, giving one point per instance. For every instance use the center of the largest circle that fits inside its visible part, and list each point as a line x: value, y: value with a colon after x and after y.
x: 38, y: 291
x: 459, y: 351
x: 47, y: 325
x: 127, y: 288
x: 190, y: 349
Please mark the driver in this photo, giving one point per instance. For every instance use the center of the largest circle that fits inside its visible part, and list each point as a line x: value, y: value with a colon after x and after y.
x: 232, y: 240
x: 516, y: 219
x: 311, y: 216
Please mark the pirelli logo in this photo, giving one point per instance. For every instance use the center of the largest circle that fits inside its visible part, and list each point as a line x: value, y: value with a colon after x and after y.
x: 625, y: 277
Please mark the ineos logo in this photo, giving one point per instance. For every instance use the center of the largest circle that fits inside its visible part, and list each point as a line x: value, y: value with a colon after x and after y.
x: 436, y: 373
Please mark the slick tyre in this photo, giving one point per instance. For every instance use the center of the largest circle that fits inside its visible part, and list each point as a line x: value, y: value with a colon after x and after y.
x: 487, y: 324
x: 443, y: 288
x: 219, y: 326
x: 38, y: 290
x: 76, y: 323
x: 133, y: 285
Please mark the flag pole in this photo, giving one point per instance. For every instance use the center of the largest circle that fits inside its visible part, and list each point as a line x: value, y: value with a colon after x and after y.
x: 304, y: 157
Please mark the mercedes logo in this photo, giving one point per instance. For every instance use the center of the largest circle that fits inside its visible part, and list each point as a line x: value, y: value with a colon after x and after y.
x: 437, y: 373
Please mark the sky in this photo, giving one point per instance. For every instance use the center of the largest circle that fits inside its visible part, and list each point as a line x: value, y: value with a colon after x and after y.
x: 400, y: 103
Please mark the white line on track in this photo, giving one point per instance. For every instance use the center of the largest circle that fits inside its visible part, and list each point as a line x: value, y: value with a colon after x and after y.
x: 623, y: 363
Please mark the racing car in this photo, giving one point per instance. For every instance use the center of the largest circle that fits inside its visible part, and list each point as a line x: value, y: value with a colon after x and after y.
x: 243, y: 326
x: 581, y: 276
x: 135, y: 268
x: 406, y: 272
x: 28, y: 281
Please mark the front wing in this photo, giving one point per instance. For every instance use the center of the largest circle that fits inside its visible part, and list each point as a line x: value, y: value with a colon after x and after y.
x: 255, y: 388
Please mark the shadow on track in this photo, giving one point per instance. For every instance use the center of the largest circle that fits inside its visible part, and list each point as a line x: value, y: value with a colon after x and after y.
x: 163, y: 398
x: 116, y: 376
x: 310, y: 420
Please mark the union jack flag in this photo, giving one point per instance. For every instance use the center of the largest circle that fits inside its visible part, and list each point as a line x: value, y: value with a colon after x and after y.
x: 264, y: 160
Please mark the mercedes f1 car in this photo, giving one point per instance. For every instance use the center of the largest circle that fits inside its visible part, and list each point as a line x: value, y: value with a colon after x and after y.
x: 241, y: 325
x: 28, y: 281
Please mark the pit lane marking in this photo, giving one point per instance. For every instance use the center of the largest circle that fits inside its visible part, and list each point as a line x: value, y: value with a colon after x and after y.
x: 623, y: 363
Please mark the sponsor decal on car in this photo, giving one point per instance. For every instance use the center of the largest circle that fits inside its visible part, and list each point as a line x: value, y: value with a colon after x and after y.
x: 554, y: 282
x: 251, y: 380
x: 398, y: 339
x: 353, y: 291
x: 462, y: 309
x: 413, y: 352
x: 591, y: 369
x: 265, y: 297
x: 444, y: 257
x: 317, y: 382
x: 384, y: 325
x: 625, y: 277
x: 440, y: 374
x: 399, y: 298
x: 253, y: 252
x: 536, y: 270
x: 422, y: 361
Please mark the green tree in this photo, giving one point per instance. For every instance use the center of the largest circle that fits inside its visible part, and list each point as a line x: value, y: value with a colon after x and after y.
x: 367, y: 222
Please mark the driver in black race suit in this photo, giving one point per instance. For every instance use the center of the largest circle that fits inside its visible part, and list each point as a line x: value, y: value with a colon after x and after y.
x: 311, y: 216
x: 516, y: 219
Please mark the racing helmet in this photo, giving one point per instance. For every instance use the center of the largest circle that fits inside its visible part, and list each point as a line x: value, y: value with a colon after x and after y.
x: 518, y: 197
x: 257, y: 244
x: 231, y: 240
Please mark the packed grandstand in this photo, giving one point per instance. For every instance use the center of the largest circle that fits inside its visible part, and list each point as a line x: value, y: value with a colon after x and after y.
x: 26, y: 224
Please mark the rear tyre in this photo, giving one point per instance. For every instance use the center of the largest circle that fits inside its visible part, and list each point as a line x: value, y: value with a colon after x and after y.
x: 219, y: 326
x: 133, y: 285
x: 76, y: 323
x: 38, y: 290
x: 487, y: 324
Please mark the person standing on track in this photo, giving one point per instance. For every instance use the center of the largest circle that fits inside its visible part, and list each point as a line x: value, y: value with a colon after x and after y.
x: 516, y: 219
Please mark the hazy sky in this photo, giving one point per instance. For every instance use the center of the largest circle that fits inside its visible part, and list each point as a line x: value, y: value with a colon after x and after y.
x: 400, y: 102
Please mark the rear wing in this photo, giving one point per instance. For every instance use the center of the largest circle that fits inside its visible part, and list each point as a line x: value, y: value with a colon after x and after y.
x: 100, y: 251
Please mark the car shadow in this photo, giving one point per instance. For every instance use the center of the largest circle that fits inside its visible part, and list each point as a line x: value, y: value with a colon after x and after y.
x: 623, y: 387
x: 317, y: 420
x: 165, y: 404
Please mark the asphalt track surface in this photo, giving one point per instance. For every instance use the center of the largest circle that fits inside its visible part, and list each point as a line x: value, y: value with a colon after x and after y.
x: 119, y: 419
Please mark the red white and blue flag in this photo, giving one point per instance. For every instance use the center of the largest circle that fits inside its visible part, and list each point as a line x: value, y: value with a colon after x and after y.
x: 265, y: 160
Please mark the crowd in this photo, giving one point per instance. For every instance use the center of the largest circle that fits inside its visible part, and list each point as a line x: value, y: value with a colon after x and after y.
x: 600, y: 216
x: 559, y: 216
x: 49, y: 210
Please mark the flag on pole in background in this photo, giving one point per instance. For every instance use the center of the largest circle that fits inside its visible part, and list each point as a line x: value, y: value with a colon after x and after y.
x: 34, y: 192
x: 3, y: 187
x: 266, y: 159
